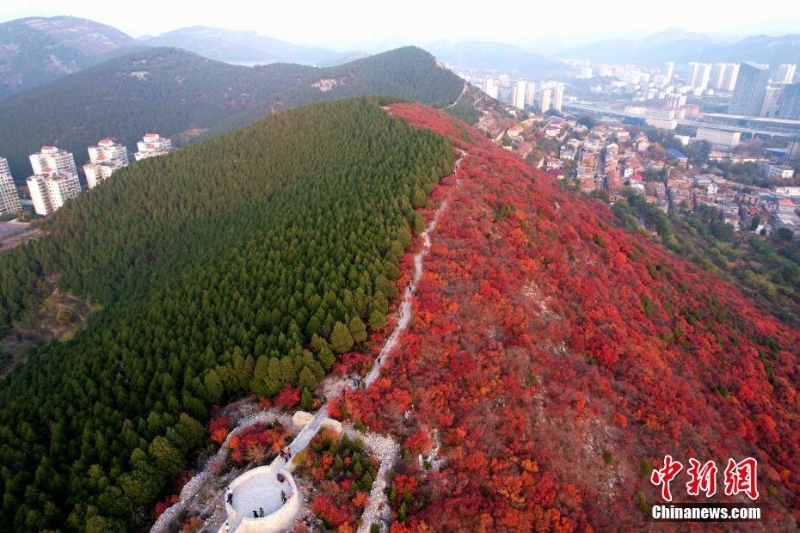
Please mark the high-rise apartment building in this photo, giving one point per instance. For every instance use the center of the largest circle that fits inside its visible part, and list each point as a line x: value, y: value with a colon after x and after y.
x: 54, y: 180
x: 786, y: 73
x: 51, y: 191
x: 518, y: 96
x: 698, y: 76
x: 489, y: 86
x: 545, y: 98
x: 789, y: 105
x: 772, y: 99
x: 669, y: 67
x: 530, y: 94
x: 152, y: 145
x: 558, y: 96
x: 9, y: 197
x: 717, y: 78
x: 730, y: 78
x: 751, y: 87
x: 104, y: 158
x: 52, y: 160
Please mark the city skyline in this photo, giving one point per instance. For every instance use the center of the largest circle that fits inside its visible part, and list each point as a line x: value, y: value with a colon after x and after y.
x: 353, y: 22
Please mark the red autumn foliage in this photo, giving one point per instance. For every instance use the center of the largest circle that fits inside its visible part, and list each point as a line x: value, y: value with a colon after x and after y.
x: 288, y: 397
x: 324, y: 508
x: 418, y: 442
x: 219, y: 428
x: 258, y: 442
x: 343, y: 474
x: 165, y: 504
x: 561, y: 357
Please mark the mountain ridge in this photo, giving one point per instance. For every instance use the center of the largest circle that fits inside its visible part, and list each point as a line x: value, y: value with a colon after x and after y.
x: 178, y: 93
x: 37, y: 50
x: 245, y: 47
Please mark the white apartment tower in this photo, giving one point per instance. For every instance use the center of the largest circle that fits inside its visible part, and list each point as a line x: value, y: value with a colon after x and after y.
x: 49, y: 192
x: 698, y: 76
x: 518, y: 96
x: 9, y: 198
x: 152, y: 145
x: 530, y: 94
x: 731, y: 75
x: 54, y: 180
x: 786, y: 73
x: 669, y: 67
x: 490, y: 87
x: 52, y: 160
x: 558, y: 96
x: 772, y: 99
x: 545, y: 97
x: 104, y: 159
x: 717, y: 78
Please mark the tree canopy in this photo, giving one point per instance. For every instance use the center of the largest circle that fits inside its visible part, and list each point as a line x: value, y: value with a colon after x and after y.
x: 214, y: 267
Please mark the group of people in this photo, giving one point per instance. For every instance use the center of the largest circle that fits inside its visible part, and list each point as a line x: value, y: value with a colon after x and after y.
x: 286, y: 453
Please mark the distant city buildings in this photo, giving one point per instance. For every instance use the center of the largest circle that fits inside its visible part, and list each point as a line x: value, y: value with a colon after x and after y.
x: 786, y: 73
x: 104, y: 158
x: 723, y: 76
x: 153, y: 145
x: 54, y: 180
x: 751, y: 86
x: 674, y: 100
x: 698, y: 76
x: 9, y: 197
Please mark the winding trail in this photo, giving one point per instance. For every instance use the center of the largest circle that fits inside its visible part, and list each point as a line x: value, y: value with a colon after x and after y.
x: 377, y: 509
x: 463, y: 90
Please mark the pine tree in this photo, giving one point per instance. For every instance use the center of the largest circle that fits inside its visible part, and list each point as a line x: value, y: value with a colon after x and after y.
x: 341, y: 340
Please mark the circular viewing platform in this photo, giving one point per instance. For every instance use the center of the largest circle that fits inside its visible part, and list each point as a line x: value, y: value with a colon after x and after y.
x: 260, y: 488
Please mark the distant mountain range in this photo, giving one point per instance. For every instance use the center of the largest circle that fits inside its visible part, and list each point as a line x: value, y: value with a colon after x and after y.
x: 179, y: 94
x: 247, y: 47
x: 37, y: 50
x: 34, y: 51
x: 495, y: 57
x: 683, y: 47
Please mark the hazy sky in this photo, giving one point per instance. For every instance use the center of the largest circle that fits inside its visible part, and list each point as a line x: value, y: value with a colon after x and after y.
x: 419, y: 21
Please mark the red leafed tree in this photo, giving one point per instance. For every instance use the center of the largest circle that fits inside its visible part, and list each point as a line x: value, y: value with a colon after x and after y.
x: 288, y: 397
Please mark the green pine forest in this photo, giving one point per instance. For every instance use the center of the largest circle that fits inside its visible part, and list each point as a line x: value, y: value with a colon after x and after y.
x: 212, y: 271
x: 179, y: 94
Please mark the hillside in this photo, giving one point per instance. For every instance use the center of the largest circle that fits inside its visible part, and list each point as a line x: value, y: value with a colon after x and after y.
x: 181, y: 95
x: 555, y: 359
x: 243, y: 47
x: 37, y: 50
x: 215, y: 267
